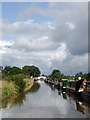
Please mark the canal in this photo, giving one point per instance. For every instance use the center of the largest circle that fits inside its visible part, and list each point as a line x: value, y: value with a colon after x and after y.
x: 44, y: 101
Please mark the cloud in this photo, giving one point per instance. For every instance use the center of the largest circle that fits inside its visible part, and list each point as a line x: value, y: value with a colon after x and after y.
x: 70, y: 14
x: 58, y: 44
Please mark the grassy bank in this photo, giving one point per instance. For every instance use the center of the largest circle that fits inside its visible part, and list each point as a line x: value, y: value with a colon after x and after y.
x: 10, y: 90
x: 29, y: 84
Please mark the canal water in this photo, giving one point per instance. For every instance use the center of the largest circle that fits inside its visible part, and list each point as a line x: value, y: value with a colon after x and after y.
x: 44, y: 101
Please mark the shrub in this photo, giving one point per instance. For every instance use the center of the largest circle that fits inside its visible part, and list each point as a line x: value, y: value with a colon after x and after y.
x: 5, y: 92
x: 20, y: 82
x: 10, y: 78
x: 14, y: 70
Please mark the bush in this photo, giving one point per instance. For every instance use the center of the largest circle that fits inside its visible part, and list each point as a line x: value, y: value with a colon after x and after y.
x: 10, y: 78
x: 5, y: 92
x: 14, y: 70
x: 20, y: 82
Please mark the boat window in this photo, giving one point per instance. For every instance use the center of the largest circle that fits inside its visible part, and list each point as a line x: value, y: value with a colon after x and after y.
x: 88, y: 87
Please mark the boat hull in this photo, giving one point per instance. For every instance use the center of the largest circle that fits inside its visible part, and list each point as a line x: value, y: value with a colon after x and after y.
x: 86, y: 96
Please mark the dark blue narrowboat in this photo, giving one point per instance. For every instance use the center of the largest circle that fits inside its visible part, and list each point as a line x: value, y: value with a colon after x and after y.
x: 35, y: 80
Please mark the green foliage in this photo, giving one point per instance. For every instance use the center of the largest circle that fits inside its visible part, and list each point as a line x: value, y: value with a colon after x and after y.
x: 6, y: 70
x: 31, y: 70
x: 11, y: 70
x: 56, y: 74
x: 83, y: 76
x: 5, y: 92
x: 25, y: 70
x: 63, y: 76
x: 14, y: 70
x: 10, y: 78
x: 78, y: 75
x: 19, y: 82
x: 88, y: 76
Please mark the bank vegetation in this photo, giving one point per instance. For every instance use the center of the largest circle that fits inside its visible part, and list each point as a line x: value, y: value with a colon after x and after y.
x: 15, y: 81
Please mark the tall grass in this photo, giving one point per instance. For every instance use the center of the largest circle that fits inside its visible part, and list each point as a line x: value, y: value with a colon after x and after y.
x: 18, y: 80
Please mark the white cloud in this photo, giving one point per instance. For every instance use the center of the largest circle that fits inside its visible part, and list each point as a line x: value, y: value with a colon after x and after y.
x: 61, y: 44
x: 51, y: 26
x: 5, y: 46
x: 70, y: 25
x: 6, y: 43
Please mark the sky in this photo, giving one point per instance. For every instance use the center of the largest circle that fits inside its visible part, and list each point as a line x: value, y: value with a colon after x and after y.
x: 49, y: 35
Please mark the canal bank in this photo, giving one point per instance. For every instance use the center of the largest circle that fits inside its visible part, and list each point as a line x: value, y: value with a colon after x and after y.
x: 42, y: 101
x: 29, y: 84
x: 9, y: 93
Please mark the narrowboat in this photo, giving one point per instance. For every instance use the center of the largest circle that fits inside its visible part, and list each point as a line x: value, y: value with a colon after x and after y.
x: 46, y: 80
x: 71, y: 86
x: 53, y: 81
x: 63, y: 84
x: 76, y: 86
x: 56, y: 84
x: 50, y: 80
x: 86, y: 92
x: 35, y: 80
x: 59, y: 83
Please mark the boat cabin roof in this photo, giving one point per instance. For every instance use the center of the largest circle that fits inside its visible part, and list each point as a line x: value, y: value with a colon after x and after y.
x: 71, y: 81
x: 64, y: 79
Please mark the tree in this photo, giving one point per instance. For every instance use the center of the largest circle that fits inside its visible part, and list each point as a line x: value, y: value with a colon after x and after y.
x: 88, y: 76
x: 56, y: 74
x: 78, y: 75
x: 31, y: 70
x: 63, y: 76
x: 26, y: 70
x: 14, y: 70
x: 6, y: 70
x: 34, y: 71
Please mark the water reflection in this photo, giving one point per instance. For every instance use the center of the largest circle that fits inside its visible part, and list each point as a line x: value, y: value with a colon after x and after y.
x: 77, y: 100
x: 34, y: 88
x: 44, y: 102
x: 52, y: 87
x: 80, y: 107
x: 19, y: 101
x: 59, y: 92
x: 64, y: 95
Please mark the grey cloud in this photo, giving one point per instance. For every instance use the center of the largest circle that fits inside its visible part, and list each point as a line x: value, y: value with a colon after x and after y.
x: 76, y: 13
x: 60, y: 48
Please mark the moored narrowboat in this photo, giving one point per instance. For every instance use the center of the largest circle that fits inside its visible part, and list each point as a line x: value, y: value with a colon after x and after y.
x: 86, y: 92
x: 76, y: 86
x: 63, y: 84
x: 35, y: 80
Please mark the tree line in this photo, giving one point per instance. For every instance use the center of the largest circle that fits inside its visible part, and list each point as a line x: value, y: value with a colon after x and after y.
x: 35, y: 72
x: 56, y: 74
x: 26, y: 70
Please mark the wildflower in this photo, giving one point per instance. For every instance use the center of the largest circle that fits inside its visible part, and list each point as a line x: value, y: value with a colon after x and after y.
x: 15, y: 92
